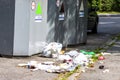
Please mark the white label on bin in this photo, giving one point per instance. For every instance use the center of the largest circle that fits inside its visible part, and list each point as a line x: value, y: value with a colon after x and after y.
x: 33, y: 5
x: 77, y: 2
x: 61, y: 17
x: 81, y: 14
x: 38, y: 18
x: 58, y: 3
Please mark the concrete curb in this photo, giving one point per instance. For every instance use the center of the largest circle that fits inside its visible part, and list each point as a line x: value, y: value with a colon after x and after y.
x: 75, y: 76
x: 109, y: 15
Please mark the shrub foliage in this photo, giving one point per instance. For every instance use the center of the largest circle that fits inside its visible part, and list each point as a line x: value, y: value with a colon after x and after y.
x: 106, y: 5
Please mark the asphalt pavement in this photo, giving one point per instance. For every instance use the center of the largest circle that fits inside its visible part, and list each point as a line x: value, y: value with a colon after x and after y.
x: 111, y: 70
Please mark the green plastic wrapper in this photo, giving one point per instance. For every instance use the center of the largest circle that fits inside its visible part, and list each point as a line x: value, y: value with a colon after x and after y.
x: 87, y: 53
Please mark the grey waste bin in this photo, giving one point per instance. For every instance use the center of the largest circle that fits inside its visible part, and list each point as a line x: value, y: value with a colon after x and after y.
x: 82, y: 18
x: 60, y: 28
x: 72, y: 22
x: 25, y: 25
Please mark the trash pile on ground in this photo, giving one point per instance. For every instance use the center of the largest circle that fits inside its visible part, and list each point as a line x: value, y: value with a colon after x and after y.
x: 101, y: 62
x: 66, y: 61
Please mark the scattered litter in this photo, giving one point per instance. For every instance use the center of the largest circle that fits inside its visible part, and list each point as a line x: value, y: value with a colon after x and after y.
x: 91, y: 61
x: 32, y: 64
x: 51, y: 48
x: 48, y: 63
x: 64, y: 61
x: 80, y: 59
x: 29, y: 65
x: 68, y: 61
x: 106, y: 71
x: 91, y: 65
x: 64, y: 57
x: 87, y: 53
x: 22, y: 65
x: 47, y: 53
x: 101, y: 67
x: 101, y: 58
x: 101, y: 62
x: 72, y: 53
x: 65, y: 66
x: 62, y: 52
x: 71, y: 68
x: 105, y: 53
x: 83, y: 71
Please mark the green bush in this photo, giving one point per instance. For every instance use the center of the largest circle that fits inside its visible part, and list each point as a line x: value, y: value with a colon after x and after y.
x: 116, y: 5
x: 93, y: 3
x: 106, y: 5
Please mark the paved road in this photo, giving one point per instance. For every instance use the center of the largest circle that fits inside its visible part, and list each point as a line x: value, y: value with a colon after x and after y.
x: 110, y: 26
x: 111, y: 70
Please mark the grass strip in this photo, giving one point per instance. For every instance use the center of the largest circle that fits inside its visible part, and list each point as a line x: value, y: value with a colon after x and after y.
x: 64, y: 76
x: 111, y: 12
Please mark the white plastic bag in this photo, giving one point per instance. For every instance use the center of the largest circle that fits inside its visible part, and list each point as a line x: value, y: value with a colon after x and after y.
x: 80, y: 59
x: 52, y: 48
x: 72, y: 53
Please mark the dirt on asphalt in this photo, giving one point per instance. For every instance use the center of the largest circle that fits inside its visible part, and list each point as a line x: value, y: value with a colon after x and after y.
x: 9, y: 69
x: 111, y: 70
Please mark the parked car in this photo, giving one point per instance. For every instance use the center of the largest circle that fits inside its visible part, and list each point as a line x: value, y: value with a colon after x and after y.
x: 93, y: 20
